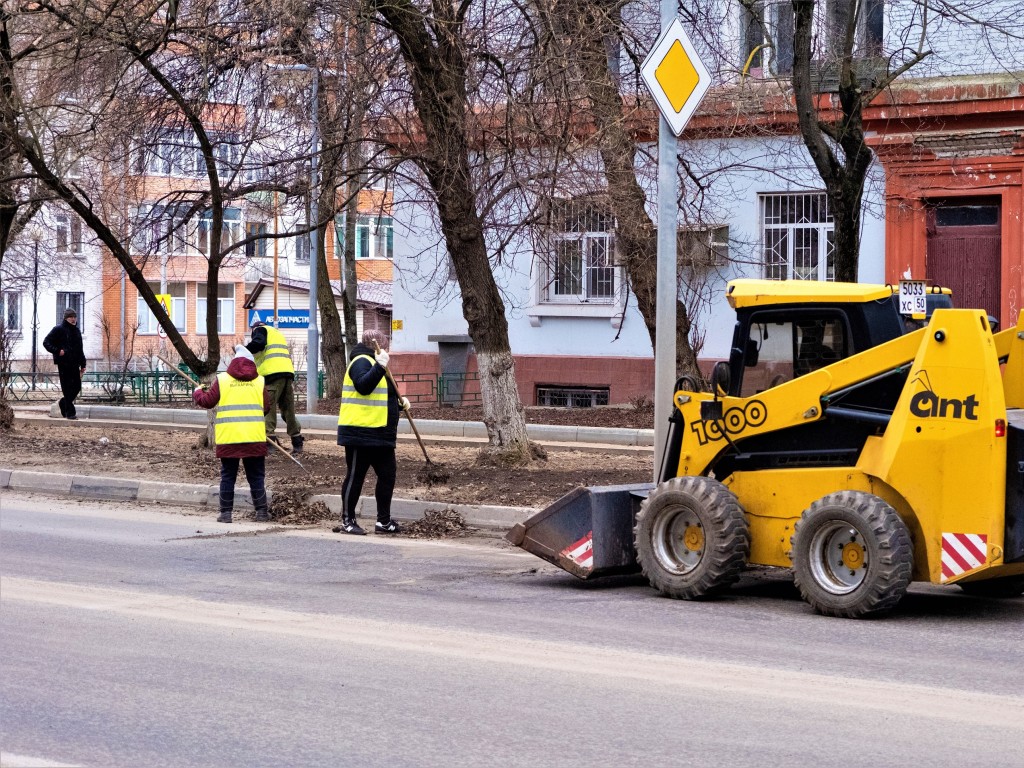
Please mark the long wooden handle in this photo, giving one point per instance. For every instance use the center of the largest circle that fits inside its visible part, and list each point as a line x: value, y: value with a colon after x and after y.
x: 391, y: 379
x: 178, y: 371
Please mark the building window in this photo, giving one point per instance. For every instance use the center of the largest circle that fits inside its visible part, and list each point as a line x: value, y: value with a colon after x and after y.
x: 256, y: 249
x: 225, y: 307
x: 752, y: 40
x: 579, y: 247
x: 302, y: 244
x: 783, y: 27
x: 231, y: 230
x: 147, y: 320
x: 797, y: 237
x: 161, y: 229
x: 375, y: 237
x: 703, y: 247
x: 572, y: 397
x: 75, y: 301
x: 10, y: 310
x: 68, y: 228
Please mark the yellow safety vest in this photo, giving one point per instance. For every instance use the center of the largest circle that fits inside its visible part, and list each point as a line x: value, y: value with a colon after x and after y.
x: 363, y: 410
x: 275, y: 358
x: 239, y: 416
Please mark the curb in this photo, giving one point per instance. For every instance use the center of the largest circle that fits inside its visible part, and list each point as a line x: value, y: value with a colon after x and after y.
x: 94, y: 487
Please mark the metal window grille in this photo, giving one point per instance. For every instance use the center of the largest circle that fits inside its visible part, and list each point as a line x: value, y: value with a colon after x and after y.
x: 580, y: 247
x: 572, y: 397
x: 797, y: 236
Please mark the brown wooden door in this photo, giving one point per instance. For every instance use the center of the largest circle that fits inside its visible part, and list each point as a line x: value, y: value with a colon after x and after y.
x: 965, y: 251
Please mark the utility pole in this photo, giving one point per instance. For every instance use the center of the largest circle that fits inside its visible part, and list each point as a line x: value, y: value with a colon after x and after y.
x: 313, y: 341
x: 35, y: 304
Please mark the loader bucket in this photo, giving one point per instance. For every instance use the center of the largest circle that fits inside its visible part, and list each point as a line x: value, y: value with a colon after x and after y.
x: 588, y: 532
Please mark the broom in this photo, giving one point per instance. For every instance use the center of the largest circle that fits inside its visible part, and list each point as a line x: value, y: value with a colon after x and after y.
x: 432, y: 473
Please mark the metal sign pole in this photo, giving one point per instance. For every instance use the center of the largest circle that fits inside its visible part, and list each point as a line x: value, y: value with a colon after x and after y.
x: 665, y: 319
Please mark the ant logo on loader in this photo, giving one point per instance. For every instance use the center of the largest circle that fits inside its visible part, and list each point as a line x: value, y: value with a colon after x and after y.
x: 927, y: 404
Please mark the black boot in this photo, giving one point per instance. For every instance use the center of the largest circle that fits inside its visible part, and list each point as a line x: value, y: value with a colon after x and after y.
x: 262, y: 515
x: 224, y: 516
x: 297, y: 441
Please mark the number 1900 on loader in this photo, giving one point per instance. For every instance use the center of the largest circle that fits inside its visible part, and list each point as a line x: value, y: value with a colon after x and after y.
x: 837, y: 443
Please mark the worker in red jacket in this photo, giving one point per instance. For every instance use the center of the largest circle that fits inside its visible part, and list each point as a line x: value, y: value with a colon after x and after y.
x: 241, y: 401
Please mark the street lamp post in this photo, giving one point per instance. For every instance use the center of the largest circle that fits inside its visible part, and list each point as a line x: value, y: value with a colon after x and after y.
x: 35, y: 304
x: 313, y: 336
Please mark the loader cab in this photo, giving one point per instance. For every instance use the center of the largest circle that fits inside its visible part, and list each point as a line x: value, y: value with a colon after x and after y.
x: 787, y: 329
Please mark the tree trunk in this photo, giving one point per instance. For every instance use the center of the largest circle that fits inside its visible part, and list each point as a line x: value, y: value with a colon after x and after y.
x: 437, y: 68
x: 636, y: 234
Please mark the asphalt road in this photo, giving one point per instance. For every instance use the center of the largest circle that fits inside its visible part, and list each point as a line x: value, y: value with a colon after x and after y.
x: 141, y: 636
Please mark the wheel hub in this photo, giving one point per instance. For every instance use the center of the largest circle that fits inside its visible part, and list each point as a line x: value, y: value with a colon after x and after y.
x: 679, y: 541
x: 838, y: 557
x: 693, y: 538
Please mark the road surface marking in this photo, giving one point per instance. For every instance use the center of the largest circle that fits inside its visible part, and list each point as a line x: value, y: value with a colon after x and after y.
x: 675, y: 671
x: 7, y: 760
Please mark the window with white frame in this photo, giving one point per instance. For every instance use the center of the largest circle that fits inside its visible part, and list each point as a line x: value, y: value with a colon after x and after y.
x: 68, y: 230
x: 225, y: 307
x: 577, y: 254
x: 10, y: 310
x: 701, y: 247
x: 256, y: 249
x: 147, y: 320
x: 161, y: 228
x: 797, y: 236
x: 231, y: 230
x: 375, y: 237
x: 71, y: 300
x: 302, y: 244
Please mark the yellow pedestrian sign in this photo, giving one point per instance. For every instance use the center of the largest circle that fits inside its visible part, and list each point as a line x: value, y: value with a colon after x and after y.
x: 165, y: 301
x: 676, y: 77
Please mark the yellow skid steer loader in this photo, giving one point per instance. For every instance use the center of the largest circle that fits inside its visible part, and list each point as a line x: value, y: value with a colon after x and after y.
x: 838, y: 443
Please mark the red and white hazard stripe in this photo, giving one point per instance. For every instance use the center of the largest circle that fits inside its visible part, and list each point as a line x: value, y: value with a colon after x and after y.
x: 581, y: 552
x: 962, y: 552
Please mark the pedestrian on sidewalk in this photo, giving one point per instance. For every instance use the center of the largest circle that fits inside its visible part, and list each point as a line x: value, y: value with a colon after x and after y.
x: 274, y: 363
x: 241, y: 401
x: 64, y: 342
x: 368, y: 430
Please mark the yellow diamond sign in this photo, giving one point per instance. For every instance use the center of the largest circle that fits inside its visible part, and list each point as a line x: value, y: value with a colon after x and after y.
x: 676, y: 76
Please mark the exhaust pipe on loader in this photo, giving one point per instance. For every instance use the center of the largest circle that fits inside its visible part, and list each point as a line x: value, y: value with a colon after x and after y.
x: 588, y: 532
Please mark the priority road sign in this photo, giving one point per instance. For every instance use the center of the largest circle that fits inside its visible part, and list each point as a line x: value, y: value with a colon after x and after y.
x: 676, y: 76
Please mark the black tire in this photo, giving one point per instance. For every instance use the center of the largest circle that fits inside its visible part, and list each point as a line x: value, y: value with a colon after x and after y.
x: 1003, y: 587
x: 852, y: 555
x: 692, y: 538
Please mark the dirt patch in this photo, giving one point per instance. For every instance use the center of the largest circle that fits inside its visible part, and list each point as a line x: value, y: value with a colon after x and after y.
x: 178, y: 457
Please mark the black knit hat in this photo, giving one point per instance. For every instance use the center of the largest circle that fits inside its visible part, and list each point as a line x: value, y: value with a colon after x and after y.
x: 69, y: 312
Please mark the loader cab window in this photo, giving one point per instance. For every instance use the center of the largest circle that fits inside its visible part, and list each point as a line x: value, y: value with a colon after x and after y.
x: 779, y: 350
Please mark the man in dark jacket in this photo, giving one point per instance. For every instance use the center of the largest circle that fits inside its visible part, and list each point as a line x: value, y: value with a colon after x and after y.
x: 241, y: 401
x: 64, y: 342
x: 368, y: 430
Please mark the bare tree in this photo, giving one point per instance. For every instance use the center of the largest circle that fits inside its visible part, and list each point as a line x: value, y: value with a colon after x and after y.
x: 133, y: 93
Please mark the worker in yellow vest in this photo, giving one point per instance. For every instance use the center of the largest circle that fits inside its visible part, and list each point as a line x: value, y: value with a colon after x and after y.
x: 269, y: 348
x: 241, y: 401
x: 368, y: 430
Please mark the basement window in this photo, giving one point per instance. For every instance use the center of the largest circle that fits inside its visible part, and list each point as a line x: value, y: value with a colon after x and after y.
x: 571, y: 397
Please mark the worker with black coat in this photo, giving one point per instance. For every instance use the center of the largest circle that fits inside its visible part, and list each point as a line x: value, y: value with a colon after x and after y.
x: 368, y: 430
x: 64, y: 342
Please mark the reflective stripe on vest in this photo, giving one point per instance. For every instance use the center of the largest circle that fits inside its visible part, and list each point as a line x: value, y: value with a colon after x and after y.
x: 363, y: 410
x: 275, y: 358
x: 239, y: 416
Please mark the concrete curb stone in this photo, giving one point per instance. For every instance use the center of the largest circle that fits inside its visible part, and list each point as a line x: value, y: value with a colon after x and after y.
x: 123, y: 489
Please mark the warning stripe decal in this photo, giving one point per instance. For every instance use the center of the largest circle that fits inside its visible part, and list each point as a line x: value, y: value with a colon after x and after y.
x: 582, y: 551
x: 962, y: 552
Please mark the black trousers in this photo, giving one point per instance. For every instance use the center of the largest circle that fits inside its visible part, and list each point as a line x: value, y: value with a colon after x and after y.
x: 358, y: 461
x: 70, y: 387
x: 255, y: 473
